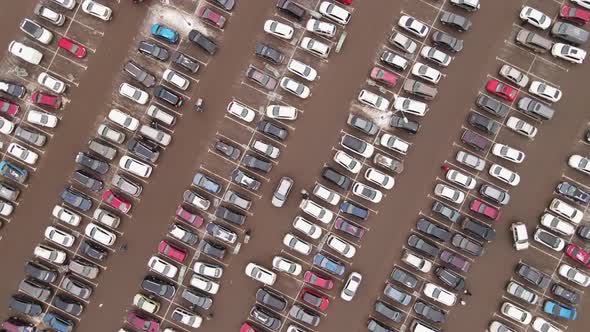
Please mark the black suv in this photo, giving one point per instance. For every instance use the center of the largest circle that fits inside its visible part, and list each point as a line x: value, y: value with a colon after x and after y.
x: 153, y: 50
x: 229, y: 215
x: 478, y: 229
x: 450, y: 278
x: 269, y: 53
x: 89, y: 162
x: 431, y: 229
x: 203, y: 42
x: 483, y: 123
x: 167, y: 95
x: 423, y: 246
x: 186, y: 62
x: 254, y: 163
x: 139, y: 74
x: 404, y: 123
x: 158, y: 287
x: 338, y: 179
x: 272, y: 130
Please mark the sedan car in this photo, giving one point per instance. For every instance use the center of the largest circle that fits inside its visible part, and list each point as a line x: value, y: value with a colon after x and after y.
x: 521, y: 127
x: 579, y: 163
x: 426, y: 73
x: 449, y: 193
x: 501, y: 90
x: 278, y: 29
x: 153, y: 50
x: 508, y: 153
x: 447, y: 41
x: 516, y: 313
x: 574, y: 192
x: 211, y: 16
x: 313, y: 278
x: 575, y: 15
x: 269, y: 53
x: 373, y: 100
x: 568, y: 53
x: 383, y: 76
x: 71, y: 47
x: 314, y: 299
x: 446, y: 212
x: 76, y: 199
x: 100, y: 234
x: 321, y: 28
x: 334, y: 12
x: 456, y: 21
x: 302, y: 70
x: 439, y: 294
x: 413, y: 26
x: 557, y: 310
x: 460, y: 178
x: 535, y: 17
x: 97, y: 10
x: 111, y: 199
x: 545, y: 91
x: 142, y: 323
x: 505, y: 175
x: 514, y: 75
x: 261, y: 78
x: 294, y: 87
x: 438, y: 57
x: 328, y: 264
x: 533, y: 276
x: 578, y: 254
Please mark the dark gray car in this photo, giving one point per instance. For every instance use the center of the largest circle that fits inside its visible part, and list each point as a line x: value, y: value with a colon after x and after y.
x: 337, y: 178
x: 153, y: 50
x: 203, y: 42
x: 76, y: 199
x: 363, y: 124
x: 492, y: 106
x: 206, y: 183
x: 127, y: 186
x: 298, y: 313
x: 533, y: 276
x: 458, y: 22
x: 483, y: 123
x: 494, y: 193
x: 230, y: 216
x: 12, y: 89
x: 93, y: 250
x: 422, y: 246
x: 403, y: 277
x: 35, y: 289
x: 186, y: 62
x: 139, y: 74
x: 535, y: 108
x: 158, y: 287
x: 30, y: 136
x: 269, y: 53
x: 446, y: 211
x: 433, y: 230
x: 467, y: 245
x: 70, y: 306
x: 533, y: 41
x: 87, y: 180
x: 444, y: 40
x: 429, y: 312
x: 569, y: 33
x: 271, y: 300
x: 227, y: 150
x: 196, y: 299
x: 91, y: 163
x: 212, y: 249
x: 272, y: 130
x: 480, y: 230
x: 450, y: 278
x: 25, y: 306
x: 388, y: 312
x: 40, y: 272
x: 404, y: 123
x: 397, y: 295
x: 376, y: 326
x: 255, y: 163
x: 244, y: 180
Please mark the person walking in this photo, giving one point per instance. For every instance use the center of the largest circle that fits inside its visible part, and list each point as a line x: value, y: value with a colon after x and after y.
x: 444, y: 168
x: 304, y: 194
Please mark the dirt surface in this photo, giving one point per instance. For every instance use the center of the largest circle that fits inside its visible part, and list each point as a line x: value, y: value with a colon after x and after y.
x: 309, y: 147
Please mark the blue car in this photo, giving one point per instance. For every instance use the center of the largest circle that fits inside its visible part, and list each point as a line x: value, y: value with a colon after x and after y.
x: 556, y: 310
x: 354, y: 210
x: 58, y: 323
x: 76, y: 199
x: 13, y: 172
x: 164, y: 33
x: 328, y: 264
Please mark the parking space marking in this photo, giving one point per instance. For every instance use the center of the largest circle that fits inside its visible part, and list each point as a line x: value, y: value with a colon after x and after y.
x: 528, y: 72
x: 537, y: 56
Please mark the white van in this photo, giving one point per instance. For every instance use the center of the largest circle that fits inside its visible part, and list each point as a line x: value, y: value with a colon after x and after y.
x: 157, y: 113
x: 155, y: 135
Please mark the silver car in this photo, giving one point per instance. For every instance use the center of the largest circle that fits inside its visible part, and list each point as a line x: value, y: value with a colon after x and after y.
x: 83, y: 268
x: 470, y: 160
x: 280, y: 195
x: 127, y: 186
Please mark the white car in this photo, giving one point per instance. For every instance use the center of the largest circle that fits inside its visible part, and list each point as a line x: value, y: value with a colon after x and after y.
x: 412, y: 25
x: 296, y: 244
x: 241, y: 111
x: 416, y: 262
x: 516, y: 313
x: 100, y: 234
x: 574, y: 275
x: 557, y: 225
x: 23, y: 154
x: 379, y: 178
x: 521, y: 127
x: 568, y: 52
x: 504, y: 174
x: 549, y: 240
x: 403, y: 43
x: 342, y: 247
x: 58, y: 236
x: 67, y: 4
x: 535, y: 17
x: 582, y: 3
x: 285, y: 265
x: 208, y: 270
x: 196, y: 199
x: 460, y: 178
x: 579, y: 163
x: 50, y: 15
x: 146, y: 304
x: 327, y: 195
x: 373, y: 100
x: 357, y: 145
x: 278, y: 29
x: 6, y: 126
x: 123, y: 119
x: 97, y: 10
x: 545, y: 91
x: 174, y: 78
x: 281, y: 112
x: 449, y: 193
x: 50, y: 254
x: 508, y: 153
x: 162, y: 267
x: 394, y: 143
x: 315, y: 47
x: 42, y: 119
x: 306, y: 227
x: 266, y: 149
x: 294, y: 87
x: 334, y: 12
x: 36, y: 31
x: 347, y: 162
x: 321, y: 28
x: 426, y: 73
x: 302, y: 70
x: 106, y: 218
x: 410, y: 106
x: 541, y: 325
x: 134, y: 93
x: 187, y: 318
x: 317, y: 211
x: 520, y: 236
x: 135, y: 166
x: 51, y: 83
x: 351, y: 286
x: 366, y: 192
x: 204, y: 284
x: 496, y: 326
x: 440, y: 294
x: 26, y: 53
x: 440, y: 58
x: 514, y: 75
x: 567, y: 211
x: 260, y: 274
x: 66, y: 215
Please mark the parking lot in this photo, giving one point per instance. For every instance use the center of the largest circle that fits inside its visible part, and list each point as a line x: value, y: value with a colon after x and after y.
x: 314, y: 138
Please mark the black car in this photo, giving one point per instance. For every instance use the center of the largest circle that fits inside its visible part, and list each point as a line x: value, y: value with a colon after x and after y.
x: 572, y: 191
x: 25, y: 306
x: 70, y: 306
x: 363, y: 124
x: 492, y: 106
x: 254, y: 163
x: 87, y: 180
x: 429, y: 312
x: 533, y: 276
x: 271, y: 300
x: 212, y: 249
x: 265, y: 318
x: 404, y: 123
x: 446, y: 211
x: 376, y: 326
x: 196, y: 299
x: 483, y: 123
x: 167, y: 95
x: 94, y: 164
x: 479, y: 230
x: 450, y: 278
x: 584, y: 232
x: 143, y: 150
x: 403, y: 277
x: 153, y: 50
x: 40, y: 272
x: 423, y: 246
x: 230, y: 216
x: 444, y: 40
x: 388, y: 312
x: 139, y: 74
x: 158, y: 287
x: 467, y: 245
x: 269, y: 53
x: 455, y: 21
x: 12, y: 89
x: 30, y: 136
x: 272, y: 130
x: 227, y: 150
x: 93, y: 250
x: 76, y: 199
x: 565, y: 294
x: 433, y: 230
x: 185, y: 62
x: 337, y: 178
x: 292, y: 8
x: 203, y: 42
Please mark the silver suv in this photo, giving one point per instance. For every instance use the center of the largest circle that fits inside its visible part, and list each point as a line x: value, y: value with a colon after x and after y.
x: 234, y: 198
x: 126, y: 185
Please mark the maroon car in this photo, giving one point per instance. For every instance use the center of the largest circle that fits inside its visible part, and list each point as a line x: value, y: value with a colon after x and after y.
x: 141, y: 323
x: 116, y: 202
x: 43, y: 99
x: 211, y: 16
x: 383, y: 76
x: 261, y: 78
x: 171, y: 251
x: 574, y: 15
x: 7, y: 107
x: 349, y: 228
x: 191, y: 218
x: 454, y: 260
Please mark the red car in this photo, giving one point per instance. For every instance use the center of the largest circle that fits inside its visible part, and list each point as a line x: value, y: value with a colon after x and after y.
x: 43, y: 99
x: 72, y: 47
x: 7, y: 107
x: 191, y: 218
x: 484, y: 209
x: 211, y: 16
x: 574, y: 15
x: 317, y: 280
x: 346, y: 2
x: 576, y: 253
x: 118, y: 203
x: 171, y: 251
x: 384, y: 76
x: 502, y: 90
x: 314, y: 299
x: 246, y: 327
x: 142, y: 324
